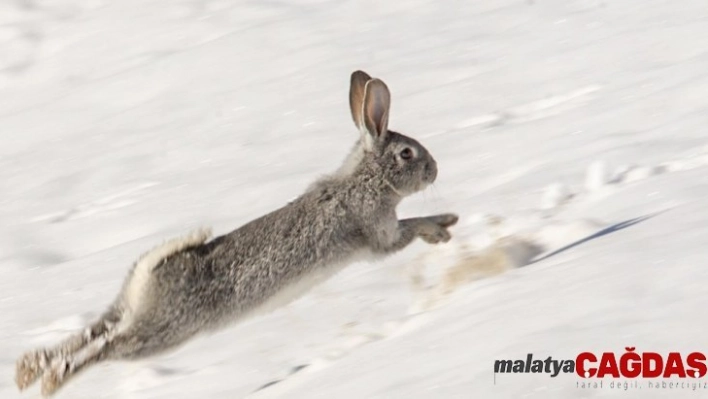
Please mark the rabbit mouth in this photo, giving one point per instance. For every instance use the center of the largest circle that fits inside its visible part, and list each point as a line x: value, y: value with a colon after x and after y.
x: 425, y: 183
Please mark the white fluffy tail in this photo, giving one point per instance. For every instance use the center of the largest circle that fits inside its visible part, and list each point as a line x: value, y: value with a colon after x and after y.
x: 139, y: 278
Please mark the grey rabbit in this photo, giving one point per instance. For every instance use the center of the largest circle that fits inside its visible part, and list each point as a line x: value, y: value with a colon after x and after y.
x: 193, y: 285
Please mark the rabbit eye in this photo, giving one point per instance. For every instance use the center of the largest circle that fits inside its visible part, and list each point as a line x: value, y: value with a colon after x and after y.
x: 406, y: 154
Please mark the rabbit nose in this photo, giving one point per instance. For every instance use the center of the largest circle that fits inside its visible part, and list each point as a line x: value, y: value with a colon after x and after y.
x: 431, y: 170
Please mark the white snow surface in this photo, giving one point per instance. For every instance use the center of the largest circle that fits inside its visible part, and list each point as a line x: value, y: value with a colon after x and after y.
x: 126, y: 123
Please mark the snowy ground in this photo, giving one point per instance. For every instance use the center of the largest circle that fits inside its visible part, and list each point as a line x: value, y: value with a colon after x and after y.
x: 579, y: 124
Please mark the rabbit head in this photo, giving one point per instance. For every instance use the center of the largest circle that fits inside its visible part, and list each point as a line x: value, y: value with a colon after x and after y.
x: 398, y: 160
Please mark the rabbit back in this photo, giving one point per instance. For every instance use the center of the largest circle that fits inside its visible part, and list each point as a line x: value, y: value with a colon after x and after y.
x: 261, y: 266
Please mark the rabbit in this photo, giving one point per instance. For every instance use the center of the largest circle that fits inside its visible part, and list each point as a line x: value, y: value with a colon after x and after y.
x: 195, y: 284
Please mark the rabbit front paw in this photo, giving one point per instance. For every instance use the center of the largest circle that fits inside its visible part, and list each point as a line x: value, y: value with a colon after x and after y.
x: 433, y: 229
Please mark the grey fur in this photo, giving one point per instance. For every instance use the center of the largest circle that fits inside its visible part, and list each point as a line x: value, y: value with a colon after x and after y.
x: 191, y: 285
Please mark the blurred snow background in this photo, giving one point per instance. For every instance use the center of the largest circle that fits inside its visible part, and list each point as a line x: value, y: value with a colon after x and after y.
x: 569, y: 132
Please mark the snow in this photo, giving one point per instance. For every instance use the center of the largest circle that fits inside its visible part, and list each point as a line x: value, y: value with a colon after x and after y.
x: 576, y: 128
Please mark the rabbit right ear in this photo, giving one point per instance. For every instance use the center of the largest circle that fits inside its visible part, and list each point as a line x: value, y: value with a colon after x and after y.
x: 356, y: 97
x: 377, y: 103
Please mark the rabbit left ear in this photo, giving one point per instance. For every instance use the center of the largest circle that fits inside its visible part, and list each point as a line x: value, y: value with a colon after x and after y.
x: 356, y: 97
x: 377, y: 103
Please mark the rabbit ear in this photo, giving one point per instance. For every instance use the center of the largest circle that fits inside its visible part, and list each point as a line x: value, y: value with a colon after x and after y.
x: 377, y: 102
x: 356, y: 97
